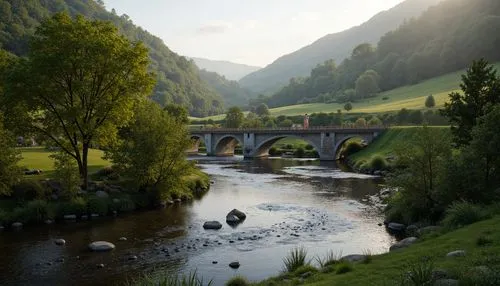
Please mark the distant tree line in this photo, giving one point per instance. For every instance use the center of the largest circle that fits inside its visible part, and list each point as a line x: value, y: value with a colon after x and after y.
x: 445, y: 38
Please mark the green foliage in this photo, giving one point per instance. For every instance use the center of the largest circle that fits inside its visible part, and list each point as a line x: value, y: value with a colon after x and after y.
x: 460, y: 214
x: 343, y: 267
x: 262, y: 110
x: 34, y: 212
x: 252, y: 121
x: 331, y: 258
x: 300, y: 152
x: 232, y: 93
x: 375, y: 121
x: 483, y: 240
x: 348, y: 107
x: 351, y: 148
x: 367, y: 84
x: 96, y: 205
x: 191, y: 279
x: 60, y: 97
x: 28, y: 190
x: 66, y: 172
x: 430, y: 101
x: 273, y: 151
x: 418, y: 273
x: 151, y: 153
x: 76, y: 206
x: 480, y: 90
x: 378, y: 163
x: 286, y: 123
x: 420, y: 164
x: 178, y: 112
x: 10, y: 173
x: 234, y: 117
x: 305, y: 269
x: 237, y: 281
x: 309, y: 147
x: 360, y: 122
x: 295, y: 259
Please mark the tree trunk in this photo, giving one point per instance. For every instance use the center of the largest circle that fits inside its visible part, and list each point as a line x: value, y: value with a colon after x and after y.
x: 84, y: 170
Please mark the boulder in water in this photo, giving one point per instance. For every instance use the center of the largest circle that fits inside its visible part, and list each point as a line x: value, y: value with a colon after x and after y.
x: 101, y: 246
x: 212, y: 225
x: 239, y: 214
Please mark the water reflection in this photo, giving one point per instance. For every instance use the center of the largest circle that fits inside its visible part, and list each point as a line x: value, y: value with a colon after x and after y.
x: 287, y: 202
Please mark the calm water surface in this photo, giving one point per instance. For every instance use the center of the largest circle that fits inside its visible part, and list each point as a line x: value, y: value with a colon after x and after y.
x: 288, y: 203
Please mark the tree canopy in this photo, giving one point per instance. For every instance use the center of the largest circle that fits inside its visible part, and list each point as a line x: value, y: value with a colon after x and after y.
x: 78, y: 84
x: 234, y: 117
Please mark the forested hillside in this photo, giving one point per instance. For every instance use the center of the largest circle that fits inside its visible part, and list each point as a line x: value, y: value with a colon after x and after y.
x: 231, y: 71
x: 336, y: 46
x: 445, y: 38
x: 232, y: 93
x: 178, y: 78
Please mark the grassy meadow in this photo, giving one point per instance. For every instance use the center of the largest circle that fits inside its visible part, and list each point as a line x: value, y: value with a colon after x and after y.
x: 410, y: 97
x: 39, y: 158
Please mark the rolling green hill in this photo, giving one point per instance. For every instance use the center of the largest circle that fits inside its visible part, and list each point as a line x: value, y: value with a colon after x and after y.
x: 410, y: 97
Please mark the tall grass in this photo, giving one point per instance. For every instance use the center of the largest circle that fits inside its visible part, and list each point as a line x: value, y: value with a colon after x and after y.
x: 295, y: 259
x: 418, y: 273
x: 237, y: 281
x: 331, y: 258
x: 191, y: 279
x: 464, y: 213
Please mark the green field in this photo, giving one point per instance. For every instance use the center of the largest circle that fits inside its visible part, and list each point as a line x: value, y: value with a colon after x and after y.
x: 38, y: 158
x: 387, y: 268
x: 410, y: 97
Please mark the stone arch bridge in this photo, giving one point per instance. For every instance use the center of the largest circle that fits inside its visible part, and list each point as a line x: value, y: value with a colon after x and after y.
x: 257, y: 142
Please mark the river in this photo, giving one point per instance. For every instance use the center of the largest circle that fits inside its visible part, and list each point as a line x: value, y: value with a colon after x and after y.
x: 288, y: 203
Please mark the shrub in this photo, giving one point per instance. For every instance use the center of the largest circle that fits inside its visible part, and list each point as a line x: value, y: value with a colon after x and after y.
x: 96, y: 205
x: 289, y: 146
x: 419, y: 273
x: 343, y: 267
x: 300, y: 152
x: 351, y: 148
x: 368, y: 256
x: 483, y: 240
x: 378, y: 163
x: 273, y: 151
x: 385, y: 98
x: 237, y: 281
x: 76, y: 206
x: 309, y: 147
x: 34, y: 212
x: 66, y: 172
x: 295, y: 259
x: 464, y: 213
x: 28, y: 190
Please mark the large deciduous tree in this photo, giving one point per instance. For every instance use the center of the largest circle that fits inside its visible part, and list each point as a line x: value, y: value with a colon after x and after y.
x: 152, y: 150
x: 78, y: 83
x: 480, y: 91
x: 234, y: 117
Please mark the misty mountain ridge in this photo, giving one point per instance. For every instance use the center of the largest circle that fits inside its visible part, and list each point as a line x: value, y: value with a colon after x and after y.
x: 230, y: 70
x: 337, y: 46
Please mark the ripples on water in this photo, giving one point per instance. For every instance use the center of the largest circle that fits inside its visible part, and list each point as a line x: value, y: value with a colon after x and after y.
x: 288, y: 203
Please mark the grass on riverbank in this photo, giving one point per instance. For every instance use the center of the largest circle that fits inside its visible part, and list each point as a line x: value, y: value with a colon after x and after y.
x: 386, y: 143
x: 387, y: 269
x: 410, y: 97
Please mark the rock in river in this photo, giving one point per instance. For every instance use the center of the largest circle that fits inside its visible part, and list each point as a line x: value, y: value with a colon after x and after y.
x: 239, y: 214
x: 17, y: 225
x: 232, y: 219
x: 234, y: 264
x: 60, y: 241
x: 100, y: 246
x: 397, y: 227
x: 212, y: 225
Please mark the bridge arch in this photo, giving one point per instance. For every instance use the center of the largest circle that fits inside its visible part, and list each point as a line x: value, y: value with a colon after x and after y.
x: 262, y: 150
x: 195, y: 145
x: 225, y: 145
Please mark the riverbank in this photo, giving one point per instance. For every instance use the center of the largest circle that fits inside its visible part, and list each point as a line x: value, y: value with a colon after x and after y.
x: 39, y: 199
x: 468, y: 256
x: 378, y: 155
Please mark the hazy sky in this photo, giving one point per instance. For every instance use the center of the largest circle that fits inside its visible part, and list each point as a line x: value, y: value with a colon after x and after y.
x: 254, y: 32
